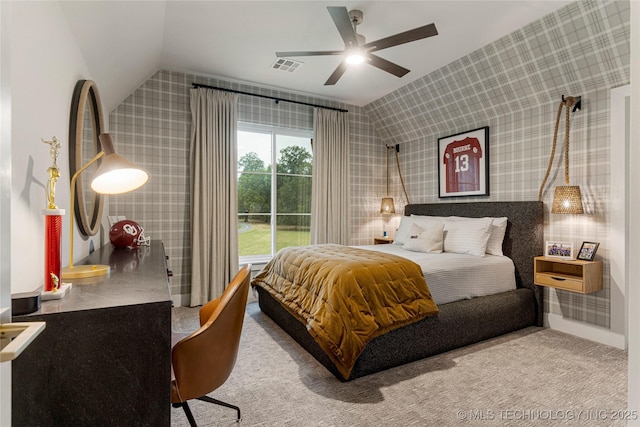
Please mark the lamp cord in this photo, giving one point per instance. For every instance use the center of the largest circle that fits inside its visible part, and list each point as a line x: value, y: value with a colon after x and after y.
x: 401, y: 179
x: 387, y: 171
x: 567, y: 102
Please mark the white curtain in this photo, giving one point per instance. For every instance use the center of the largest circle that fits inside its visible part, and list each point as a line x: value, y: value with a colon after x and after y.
x: 214, y: 198
x: 330, y: 182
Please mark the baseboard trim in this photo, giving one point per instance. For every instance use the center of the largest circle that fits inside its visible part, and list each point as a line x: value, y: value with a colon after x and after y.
x: 585, y: 330
x: 181, y: 300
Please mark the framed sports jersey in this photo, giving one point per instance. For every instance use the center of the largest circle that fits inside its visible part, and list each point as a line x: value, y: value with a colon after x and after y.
x: 463, y: 164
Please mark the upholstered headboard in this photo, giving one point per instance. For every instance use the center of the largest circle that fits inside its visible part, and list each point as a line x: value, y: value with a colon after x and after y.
x: 523, y: 239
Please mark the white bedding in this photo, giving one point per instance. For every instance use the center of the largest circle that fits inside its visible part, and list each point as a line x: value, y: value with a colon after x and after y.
x: 453, y: 277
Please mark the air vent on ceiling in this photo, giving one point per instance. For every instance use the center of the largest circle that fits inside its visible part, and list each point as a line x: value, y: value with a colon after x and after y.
x: 285, y: 64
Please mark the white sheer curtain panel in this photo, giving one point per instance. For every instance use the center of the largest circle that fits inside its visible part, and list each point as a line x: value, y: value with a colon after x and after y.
x: 214, y: 198
x: 330, y: 181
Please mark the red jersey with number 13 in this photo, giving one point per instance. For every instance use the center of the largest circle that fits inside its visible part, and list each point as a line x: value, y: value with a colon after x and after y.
x: 462, y: 162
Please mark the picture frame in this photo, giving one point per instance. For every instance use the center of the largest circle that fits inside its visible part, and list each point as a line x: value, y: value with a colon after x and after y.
x: 562, y: 250
x: 588, y: 251
x: 463, y: 164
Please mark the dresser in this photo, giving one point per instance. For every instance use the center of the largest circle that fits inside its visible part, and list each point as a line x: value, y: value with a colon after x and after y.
x: 104, y: 357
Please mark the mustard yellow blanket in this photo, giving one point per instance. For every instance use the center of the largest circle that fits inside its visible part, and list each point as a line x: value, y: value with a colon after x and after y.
x: 347, y: 296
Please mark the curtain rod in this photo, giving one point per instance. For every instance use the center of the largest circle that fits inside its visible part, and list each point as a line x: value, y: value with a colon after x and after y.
x: 277, y: 100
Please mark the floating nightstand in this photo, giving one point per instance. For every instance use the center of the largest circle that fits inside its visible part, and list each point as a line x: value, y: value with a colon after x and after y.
x: 382, y: 240
x: 570, y: 275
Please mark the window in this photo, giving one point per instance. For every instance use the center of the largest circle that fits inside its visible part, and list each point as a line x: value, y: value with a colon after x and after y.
x: 274, y: 190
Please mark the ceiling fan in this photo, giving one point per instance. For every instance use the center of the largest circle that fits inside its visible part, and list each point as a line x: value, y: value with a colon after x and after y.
x: 357, y: 50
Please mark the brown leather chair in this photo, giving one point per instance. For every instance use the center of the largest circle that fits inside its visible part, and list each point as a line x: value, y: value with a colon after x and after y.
x: 203, y: 360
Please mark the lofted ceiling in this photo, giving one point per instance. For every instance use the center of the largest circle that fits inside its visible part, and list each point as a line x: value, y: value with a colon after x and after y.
x: 125, y: 42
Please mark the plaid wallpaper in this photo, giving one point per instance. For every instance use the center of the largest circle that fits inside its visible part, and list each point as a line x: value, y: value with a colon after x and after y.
x: 152, y: 128
x: 514, y: 86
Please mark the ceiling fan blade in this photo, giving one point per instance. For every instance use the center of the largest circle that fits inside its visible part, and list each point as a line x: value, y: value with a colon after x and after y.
x: 309, y: 53
x: 333, y: 78
x: 387, y: 66
x: 401, y: 38
x: 340, y: 17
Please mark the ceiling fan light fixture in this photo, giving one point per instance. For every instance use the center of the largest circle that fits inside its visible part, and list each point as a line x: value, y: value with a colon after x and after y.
x: 355, y: 56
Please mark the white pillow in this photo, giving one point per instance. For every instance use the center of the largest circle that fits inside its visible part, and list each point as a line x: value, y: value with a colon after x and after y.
x: 425, y: 240
x: 414, y: 232
x: 467, y: 237
x: 496, y: 232
x: 425, y: 221
x: 403, y: 230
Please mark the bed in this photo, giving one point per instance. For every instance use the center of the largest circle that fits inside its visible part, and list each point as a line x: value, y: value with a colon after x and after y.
x: 456, y: 324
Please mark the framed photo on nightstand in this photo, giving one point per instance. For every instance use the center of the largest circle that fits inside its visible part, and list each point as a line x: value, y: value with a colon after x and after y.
x: 559, y: 250
x: 588, y: 251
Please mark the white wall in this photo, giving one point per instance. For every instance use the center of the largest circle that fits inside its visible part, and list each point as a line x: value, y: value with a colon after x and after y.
x: 619, y: 222
x: 46, y: 63
x: 633, y: 294
x: 5, y: 201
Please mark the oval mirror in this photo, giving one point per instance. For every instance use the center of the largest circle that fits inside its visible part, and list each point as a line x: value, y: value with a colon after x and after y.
x: 85, y: 126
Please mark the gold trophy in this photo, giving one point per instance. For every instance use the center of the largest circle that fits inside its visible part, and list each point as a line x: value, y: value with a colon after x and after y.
x: 54, y: 172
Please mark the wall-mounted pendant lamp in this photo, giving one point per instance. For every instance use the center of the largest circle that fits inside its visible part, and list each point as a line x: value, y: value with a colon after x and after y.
x: 567, y: 199
x: 387, y: 206
x: 115, y: 175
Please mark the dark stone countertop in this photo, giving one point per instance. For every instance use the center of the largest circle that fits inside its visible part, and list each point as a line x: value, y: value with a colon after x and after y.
x: 137, y: 276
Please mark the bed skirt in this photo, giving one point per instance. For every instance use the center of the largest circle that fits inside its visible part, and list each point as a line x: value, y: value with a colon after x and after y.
x: 458, y: 324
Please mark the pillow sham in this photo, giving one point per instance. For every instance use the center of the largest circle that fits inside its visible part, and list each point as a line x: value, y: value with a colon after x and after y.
x: 407, y: 221
x: 428, y: 240
x: 497, y: 231
x: 403, y: 230
x: 414, y: 232
x: 467, y: 237
x: 426, y: 221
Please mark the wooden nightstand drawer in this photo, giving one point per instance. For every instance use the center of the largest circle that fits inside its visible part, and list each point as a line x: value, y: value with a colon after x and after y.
x: 559, y: 282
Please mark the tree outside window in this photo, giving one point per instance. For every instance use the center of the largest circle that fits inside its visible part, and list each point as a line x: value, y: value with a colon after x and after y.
x: 263, y: 230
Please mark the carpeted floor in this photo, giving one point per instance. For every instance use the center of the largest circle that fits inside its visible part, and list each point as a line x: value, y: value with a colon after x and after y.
x: 533, y: 377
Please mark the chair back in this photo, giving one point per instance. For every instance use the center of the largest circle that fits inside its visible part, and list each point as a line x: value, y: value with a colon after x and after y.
x: 203, y: 361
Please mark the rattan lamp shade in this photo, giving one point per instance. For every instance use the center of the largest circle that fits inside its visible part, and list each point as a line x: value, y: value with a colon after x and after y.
x: 567, y: 199
x: 387, y: 206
